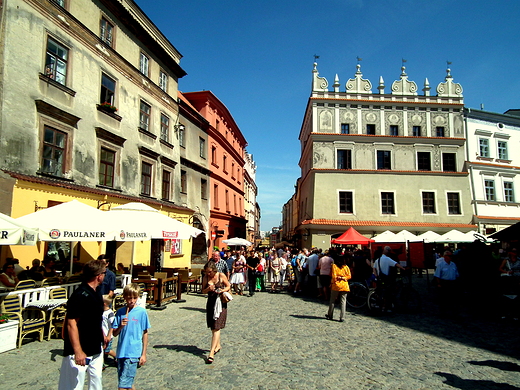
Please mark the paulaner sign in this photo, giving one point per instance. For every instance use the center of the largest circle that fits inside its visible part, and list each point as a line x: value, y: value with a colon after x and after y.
x: 55, y: 234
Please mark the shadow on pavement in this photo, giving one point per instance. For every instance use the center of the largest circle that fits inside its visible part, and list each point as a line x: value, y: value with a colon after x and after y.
x: 504, y: 366
x: 56, y: 352
x: 193, y: 349
x: 472, y: 384
x: 194, y: 309
x: 307, y: 317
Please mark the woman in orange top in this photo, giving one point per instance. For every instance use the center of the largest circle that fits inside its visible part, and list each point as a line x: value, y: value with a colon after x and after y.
x: 340, y: 276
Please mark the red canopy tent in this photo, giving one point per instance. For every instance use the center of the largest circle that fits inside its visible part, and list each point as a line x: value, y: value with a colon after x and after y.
x: 352, y: 237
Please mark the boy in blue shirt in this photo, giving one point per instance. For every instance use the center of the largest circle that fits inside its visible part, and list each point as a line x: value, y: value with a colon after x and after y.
x: 131, y: 324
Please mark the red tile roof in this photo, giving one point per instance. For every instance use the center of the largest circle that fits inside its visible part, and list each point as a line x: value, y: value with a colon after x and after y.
x: 498, y: 218
x: 336, y: 222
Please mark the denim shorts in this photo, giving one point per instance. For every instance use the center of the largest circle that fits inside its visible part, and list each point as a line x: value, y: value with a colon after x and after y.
x: 126, y: 369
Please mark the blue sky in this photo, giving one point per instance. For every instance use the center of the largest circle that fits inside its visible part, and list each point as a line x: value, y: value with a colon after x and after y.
x: 257, y: 58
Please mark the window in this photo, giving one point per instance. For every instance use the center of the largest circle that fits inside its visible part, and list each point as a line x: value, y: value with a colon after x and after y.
x: 428, y: 202
x: 203, y: 189
x: 146, y: 178
x: 345, y: 128
x: 383, y: 159
x: 424, y: 161
x: 107, y: 160
x: 184, y: 183
x: 235, y: 208
x: 144, y: 116
x: 449, y: 162
x: 202, y: 147
x: 502, y: 150
x: 394, y: 130
x: 213, y: 155
x: 215, y: 196
x: 165, y: 128
x: 108, y: 90
x: 53, y: 158
x: 106, y: 31
x: 233, y: 170
x: 166, y: 184
x: 224, y: 163
x: 56, y: 61
x: 489, y: 187
x: 345, y: 202
x: 371, y: 129
x: 227, y: 201
x: 163, y: 81
x: 416, y: 131
x: 483, y: 147
x: 144, y: 64
x: 387, y: 203
x: 182, y: 134
x: 344, y: 159
x: 440, y: 131
x: 509, y: 195
x: 453, y: 203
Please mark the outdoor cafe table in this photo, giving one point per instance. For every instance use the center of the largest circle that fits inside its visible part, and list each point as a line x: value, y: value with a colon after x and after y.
x: 48, y: 304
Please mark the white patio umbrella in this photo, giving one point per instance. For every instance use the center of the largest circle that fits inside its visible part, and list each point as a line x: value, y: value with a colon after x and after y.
x: 137, y: 222
x: 13, y: 232
x: 386, y: 236
x: 235, y: 241
x: 70, y: 221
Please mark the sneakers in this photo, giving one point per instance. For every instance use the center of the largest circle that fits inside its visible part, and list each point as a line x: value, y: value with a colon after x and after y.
x: 328, y: 317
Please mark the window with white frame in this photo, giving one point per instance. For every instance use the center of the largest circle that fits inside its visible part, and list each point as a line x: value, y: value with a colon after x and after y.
x: 384, y: 159
x: 483, y: 147
x: 489, y: 188
x: 54, y: 151
x: 449, y: 162
x: 182, y: 134
x: 346, y: 204
x: 424, y: 161
x: 416, y: 131
x: 440, y: 131
x: 165, y: 128
x: 428, y: 202
x: 166, y: 184
x: 509, y: 195
x: 107, y: 163
x: 202, y: 147
x: 345, y: 128
x: 387, y: 203
x: 106, y: 31
x: 163, y: 81
x: 56, y: 60
x: 344, y: 159
x: 453, y: 199
x: 144, y: 116
x: 394, y: 130
x: 502, y: 150
x: 144, y: 63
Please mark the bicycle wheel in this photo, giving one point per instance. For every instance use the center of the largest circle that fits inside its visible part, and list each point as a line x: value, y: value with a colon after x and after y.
x: 375, y: 302
x: 408, y: 300
x: 357, y: 297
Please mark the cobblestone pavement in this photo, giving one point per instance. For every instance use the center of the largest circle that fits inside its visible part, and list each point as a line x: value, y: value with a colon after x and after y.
x: 279, y: 341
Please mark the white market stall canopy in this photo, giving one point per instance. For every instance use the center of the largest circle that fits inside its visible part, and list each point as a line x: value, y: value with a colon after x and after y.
x: 457, y: 236
x: 429, y: 236
x: 402, y: 236
x: 139, y: 222
x: 13, y: 232
x: 235, y: 241
x: 70, y: 221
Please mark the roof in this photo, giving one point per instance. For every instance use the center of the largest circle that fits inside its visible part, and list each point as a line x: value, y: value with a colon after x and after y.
x: 335, y: 222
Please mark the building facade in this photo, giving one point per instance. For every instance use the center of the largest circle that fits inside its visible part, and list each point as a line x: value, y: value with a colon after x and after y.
x: 251, y: 207
x: 494, y: 168
x: 89, y: 111
x: 380, y: 161
x: 226, y: 158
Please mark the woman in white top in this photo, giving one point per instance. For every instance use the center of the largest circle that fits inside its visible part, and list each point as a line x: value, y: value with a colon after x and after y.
x: 8, y: 277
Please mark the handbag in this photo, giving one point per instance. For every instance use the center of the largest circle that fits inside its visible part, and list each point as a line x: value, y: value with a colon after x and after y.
x: 225, y: 297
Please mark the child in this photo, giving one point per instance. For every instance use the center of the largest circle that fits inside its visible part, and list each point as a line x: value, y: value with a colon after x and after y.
x: 132, y: 324
x: 108, y: 320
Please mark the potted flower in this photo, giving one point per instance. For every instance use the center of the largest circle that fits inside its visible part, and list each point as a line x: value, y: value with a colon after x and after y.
x: 106, y: 106
x: 4, y: 318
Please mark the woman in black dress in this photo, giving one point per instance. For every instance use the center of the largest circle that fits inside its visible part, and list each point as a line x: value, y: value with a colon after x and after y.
x: 214, y: 284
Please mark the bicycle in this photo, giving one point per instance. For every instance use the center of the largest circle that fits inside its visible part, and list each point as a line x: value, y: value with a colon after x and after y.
x: 406, y: 298
x: 357, y: 297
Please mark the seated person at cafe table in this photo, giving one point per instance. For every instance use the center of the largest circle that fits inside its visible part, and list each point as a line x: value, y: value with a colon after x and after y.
x: 8, y: 277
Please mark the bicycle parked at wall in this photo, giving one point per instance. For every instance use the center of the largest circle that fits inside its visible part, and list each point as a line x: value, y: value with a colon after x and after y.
x: 358, y: 295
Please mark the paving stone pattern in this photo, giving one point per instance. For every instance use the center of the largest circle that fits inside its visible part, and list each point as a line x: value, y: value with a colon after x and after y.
x: 279, y: 341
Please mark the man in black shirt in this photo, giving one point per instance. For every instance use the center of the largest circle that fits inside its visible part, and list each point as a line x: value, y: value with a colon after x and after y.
x: 251, y: 264
x: 83, y: 335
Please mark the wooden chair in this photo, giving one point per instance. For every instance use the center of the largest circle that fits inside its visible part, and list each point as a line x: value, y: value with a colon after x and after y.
x: 195, y: 281
x: 160, y: 275
x: 54, y: 281
x: 30, y: 320
x: 56, y: 318
x: 74, y: 279
x: 25, y: 284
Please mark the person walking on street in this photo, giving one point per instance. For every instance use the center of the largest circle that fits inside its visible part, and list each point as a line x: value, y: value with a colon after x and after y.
x: 445, y: 277
x: 251, y: 264
x: 220, y: 263
x: 83, y: 333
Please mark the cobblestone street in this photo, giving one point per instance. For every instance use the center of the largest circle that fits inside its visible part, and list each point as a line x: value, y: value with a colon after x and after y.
x: 278, y: 341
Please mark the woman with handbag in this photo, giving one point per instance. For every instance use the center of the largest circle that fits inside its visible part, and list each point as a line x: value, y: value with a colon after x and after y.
x: 215, y: 284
